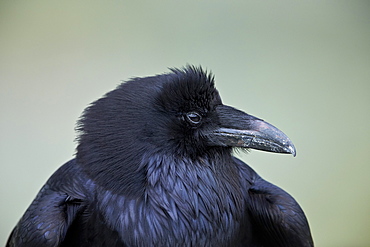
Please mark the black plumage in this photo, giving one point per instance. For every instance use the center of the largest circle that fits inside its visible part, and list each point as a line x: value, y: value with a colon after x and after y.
x: 154, y: 167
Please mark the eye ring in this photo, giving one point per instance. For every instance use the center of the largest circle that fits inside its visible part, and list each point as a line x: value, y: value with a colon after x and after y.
x: 193, y: 118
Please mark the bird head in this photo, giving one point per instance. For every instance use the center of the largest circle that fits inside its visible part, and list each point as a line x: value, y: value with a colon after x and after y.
x: 178, y: 113
x: 198, y: 121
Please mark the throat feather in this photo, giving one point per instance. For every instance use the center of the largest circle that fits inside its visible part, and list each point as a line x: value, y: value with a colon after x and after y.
x: 190, y: 190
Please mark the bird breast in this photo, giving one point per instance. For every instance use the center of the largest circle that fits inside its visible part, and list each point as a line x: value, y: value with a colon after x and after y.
x: 185, y: 202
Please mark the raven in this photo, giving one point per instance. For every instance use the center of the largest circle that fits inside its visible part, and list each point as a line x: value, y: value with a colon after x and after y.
x: 154, y: 167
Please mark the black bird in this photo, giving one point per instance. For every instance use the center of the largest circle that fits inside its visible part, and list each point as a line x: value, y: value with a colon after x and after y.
x: 154, y: 167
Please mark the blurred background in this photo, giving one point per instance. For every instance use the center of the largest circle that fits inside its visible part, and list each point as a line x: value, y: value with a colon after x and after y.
x: 303, y: 66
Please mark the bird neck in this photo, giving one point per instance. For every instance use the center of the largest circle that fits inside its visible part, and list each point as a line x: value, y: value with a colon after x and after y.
x: 182, y: 178
x: 201, y: 189
x: 161, y: 168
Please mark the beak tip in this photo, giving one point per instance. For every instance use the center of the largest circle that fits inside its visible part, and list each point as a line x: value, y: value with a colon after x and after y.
x: 294, y: 153
x: 292, y: 150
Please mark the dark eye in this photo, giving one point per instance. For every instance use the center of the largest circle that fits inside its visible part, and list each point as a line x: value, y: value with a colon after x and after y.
x: 193, y: 117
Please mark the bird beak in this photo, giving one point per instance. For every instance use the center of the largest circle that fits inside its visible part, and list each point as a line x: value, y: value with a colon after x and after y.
x: 238, y: 129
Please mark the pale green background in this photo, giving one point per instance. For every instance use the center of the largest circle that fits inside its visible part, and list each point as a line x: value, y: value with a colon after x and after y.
x: 302, y: 65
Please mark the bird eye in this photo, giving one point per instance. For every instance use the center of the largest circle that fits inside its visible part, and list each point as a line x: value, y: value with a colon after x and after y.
x: 193, y: 117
